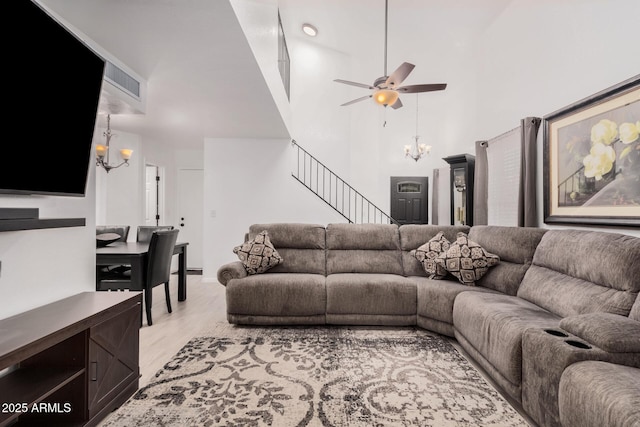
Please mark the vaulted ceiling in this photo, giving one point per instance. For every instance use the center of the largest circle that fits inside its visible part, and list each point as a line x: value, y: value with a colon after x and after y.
x: 203, y: 80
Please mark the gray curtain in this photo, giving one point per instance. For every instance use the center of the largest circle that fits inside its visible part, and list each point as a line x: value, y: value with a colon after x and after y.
x: 480, y: 185
x: 434, y: 196
x: 527, y: 206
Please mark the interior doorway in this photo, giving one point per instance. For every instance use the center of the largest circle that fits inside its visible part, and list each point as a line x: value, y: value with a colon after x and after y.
x: 410, y: 199
x: 190, y: 214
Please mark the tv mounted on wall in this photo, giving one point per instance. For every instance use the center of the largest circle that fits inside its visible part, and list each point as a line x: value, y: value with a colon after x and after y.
x: 51, y: 92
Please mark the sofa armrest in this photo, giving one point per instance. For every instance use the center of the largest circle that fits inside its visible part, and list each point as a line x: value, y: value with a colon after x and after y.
x: 232, y: 270
x: 611, y: 332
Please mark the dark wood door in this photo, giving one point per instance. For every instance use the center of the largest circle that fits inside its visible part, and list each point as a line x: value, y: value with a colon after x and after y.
x: 409, y: 199
x: 113, y: 359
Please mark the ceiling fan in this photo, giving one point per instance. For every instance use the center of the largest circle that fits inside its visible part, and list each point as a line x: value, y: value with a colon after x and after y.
x: 386, y: 89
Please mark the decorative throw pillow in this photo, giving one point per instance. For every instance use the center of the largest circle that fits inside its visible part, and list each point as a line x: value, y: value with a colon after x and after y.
x: 467, y: 260
x: 258, y: 255
x: 428, y: 253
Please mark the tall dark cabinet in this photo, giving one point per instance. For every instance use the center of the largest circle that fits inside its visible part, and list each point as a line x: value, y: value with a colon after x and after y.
x: 462, y: 170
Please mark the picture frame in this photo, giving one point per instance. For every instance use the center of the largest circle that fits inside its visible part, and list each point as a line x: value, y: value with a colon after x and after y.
x: 591, y: 155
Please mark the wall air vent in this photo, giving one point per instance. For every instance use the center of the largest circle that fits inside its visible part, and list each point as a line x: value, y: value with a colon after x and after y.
x: 122, y: 80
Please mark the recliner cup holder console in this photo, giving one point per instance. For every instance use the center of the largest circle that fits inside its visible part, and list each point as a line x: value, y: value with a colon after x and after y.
x: 578, y: 344
x: 556, y: 333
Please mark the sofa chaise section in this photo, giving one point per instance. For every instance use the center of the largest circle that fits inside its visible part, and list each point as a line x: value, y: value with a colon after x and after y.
x: 573, y: 272
x: 590, y: 279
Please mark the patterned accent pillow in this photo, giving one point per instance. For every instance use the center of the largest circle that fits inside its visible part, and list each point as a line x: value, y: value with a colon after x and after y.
x: 428, y: 253
x: 258, y: 255
x: 467, y: 260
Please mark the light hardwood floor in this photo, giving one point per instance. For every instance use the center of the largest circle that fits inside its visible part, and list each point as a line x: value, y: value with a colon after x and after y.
x: 204, y: 306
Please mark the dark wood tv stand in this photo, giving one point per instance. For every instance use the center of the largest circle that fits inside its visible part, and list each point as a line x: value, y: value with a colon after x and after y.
x: 70, y: 362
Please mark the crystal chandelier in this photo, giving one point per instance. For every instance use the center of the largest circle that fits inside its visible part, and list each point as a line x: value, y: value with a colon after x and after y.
x: 420, y: 149
x: 102, y: 151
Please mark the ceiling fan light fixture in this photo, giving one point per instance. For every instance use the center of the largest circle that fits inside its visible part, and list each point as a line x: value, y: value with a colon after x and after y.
x: 309, y: 29
x: 385, y: 97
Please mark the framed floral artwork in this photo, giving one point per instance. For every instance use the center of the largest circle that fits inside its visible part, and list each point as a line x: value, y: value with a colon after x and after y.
x: 592, y: 159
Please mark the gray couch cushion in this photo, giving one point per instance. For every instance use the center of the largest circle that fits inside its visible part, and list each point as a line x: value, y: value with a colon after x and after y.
x: 413, y: 236
x: 436, y: 297
x: 277, y: 294
x: 577, y: 272
x: 379, y: 294
x: 610, y: 332
x: 597, y: 394
x: 515, y: 246
x: 300, y: 245
x: 493, y: 324
x: 363, y: 248
x: 635, y: 310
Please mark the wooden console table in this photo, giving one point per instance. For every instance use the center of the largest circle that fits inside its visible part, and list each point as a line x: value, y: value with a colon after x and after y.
x: 70, y: 362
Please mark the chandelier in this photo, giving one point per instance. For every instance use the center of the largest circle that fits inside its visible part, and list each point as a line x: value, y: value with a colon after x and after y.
x: 102, y: 151
x: 419, y: 150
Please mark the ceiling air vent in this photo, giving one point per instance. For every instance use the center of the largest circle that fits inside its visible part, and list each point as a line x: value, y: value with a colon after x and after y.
x: 122, y: 80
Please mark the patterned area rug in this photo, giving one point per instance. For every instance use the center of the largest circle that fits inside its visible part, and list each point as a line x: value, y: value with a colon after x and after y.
x: 317, y: 376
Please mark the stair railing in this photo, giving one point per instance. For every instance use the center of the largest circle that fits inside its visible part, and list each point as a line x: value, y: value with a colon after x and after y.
x: 334, y: 191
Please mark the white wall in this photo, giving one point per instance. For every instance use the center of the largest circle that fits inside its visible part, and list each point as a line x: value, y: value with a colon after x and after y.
x: 120, y: 193
x: 319, y: 124
x: 540, y: 57
x: 259, y: 21
x: 249, y: 181
x: 119, y: 197
x: 41, y: 266
x: 445, y: 119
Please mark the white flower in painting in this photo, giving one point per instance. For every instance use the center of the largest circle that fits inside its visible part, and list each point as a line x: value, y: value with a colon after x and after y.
x: 599, y: 161
x: 604, y: 132
x: 629, y: 132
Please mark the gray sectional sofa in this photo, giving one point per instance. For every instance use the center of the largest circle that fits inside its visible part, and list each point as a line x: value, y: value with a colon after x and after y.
x: 559, y: 307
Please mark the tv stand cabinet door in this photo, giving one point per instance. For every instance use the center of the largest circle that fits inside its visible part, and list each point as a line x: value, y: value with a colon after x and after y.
x: 113, y: 368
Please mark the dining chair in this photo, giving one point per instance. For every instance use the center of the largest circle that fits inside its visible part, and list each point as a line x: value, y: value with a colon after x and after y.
x: 143, y: 234
x: 144, y: 231
x: 158, y: 270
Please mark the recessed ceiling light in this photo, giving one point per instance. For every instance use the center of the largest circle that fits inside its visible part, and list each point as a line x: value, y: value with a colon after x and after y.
x: 309, y: 30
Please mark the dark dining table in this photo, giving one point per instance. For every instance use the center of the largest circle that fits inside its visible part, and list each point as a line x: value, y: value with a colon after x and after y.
x: 135, y: 254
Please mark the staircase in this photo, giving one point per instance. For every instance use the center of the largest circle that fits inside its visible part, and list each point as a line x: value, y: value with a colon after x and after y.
x: 335, y: 192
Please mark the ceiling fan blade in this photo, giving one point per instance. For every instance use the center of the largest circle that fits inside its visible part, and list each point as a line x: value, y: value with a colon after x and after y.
x: 422, y: 88
x: 399, y: 75
x: 356, y: 100
x: 347, y: 82
x: 397, y: 104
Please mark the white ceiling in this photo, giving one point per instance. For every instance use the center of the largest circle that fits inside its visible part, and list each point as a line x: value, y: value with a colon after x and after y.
x: 202, y: 78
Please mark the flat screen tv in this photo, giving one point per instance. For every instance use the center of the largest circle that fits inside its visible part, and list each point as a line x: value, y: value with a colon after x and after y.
x: 51, y: 92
